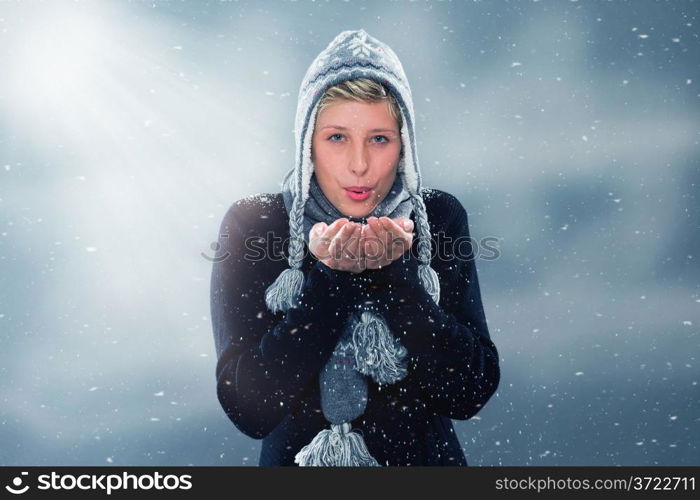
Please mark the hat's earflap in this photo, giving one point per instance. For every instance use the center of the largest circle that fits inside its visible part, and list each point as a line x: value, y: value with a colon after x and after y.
x: 283, y: 293
x: 428, y: 277
x: 408, y: 167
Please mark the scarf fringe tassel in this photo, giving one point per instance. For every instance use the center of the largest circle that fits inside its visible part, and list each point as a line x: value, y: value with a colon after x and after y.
x: 336, y: 447
x: 378, y: 353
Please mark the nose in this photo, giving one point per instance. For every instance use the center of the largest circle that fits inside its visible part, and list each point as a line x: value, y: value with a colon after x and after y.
x: 358, y: 162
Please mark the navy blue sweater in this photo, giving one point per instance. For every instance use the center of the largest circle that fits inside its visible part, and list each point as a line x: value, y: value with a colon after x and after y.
x: 268, y: 364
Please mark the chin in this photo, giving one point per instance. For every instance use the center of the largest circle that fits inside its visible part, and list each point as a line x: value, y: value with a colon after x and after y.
x: 356, y: 212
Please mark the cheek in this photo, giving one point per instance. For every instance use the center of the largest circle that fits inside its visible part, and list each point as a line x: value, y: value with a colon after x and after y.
x: 387, y: 166
x: 323, y: 154
x: 388, y: 158
x: 324, y: 166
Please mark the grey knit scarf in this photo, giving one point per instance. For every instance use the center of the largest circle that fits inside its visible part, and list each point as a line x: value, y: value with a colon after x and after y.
x: 318, y: 208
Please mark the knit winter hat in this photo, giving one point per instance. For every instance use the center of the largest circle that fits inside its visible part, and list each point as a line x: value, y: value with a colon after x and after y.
x: 352, y: 54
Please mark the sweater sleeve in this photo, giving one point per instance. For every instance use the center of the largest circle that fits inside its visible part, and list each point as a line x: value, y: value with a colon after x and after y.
x: 267, y: 361
x: 455, y: 368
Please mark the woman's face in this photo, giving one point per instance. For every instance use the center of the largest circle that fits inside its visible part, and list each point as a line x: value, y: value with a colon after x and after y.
x: 355, y: 145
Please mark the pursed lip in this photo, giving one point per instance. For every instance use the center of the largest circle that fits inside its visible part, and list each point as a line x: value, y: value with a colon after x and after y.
x: 359, y: 189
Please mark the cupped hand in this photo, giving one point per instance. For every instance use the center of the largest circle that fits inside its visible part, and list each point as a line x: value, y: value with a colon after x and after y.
x: 383, y: 240
x: 338, y: 245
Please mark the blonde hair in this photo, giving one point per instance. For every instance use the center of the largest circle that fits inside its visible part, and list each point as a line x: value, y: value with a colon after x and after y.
x: 363, y: 90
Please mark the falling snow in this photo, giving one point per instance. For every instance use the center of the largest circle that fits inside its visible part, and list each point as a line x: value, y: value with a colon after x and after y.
x: 568, y: 132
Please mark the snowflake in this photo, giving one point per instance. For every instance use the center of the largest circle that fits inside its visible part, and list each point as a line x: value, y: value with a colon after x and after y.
x: 429, y: 192
x: 261, y: 199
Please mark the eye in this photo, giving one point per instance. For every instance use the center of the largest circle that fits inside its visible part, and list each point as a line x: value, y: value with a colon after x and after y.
x: 330, y: 138
x: 383, y: 137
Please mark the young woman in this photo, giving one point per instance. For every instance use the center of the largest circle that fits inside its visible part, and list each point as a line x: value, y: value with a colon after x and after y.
x: 358, y: 340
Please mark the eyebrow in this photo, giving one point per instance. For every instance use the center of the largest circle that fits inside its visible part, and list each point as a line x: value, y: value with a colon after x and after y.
x: 339, y: 127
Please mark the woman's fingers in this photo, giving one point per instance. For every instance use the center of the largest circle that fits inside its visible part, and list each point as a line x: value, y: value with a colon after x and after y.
x: 406, y: 242
x: 392, y: 239
x: 392, y: 227
x: 372, y: 247
x: 354, y: 251
x: 315, y: 236
x: 399, y: 236
x: 346, y: 249
x: 339, y: 246
x: 405, y: 223
x: 384, y: 238
x: 319, y: 243
x: 333, y: 230
x: 375, y: 245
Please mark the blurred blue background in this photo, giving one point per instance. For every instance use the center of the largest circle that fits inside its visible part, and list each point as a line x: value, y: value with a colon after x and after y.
x: 569, y: 130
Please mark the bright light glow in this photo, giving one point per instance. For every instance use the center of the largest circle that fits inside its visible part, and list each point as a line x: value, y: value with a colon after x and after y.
x: 57, y: 54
